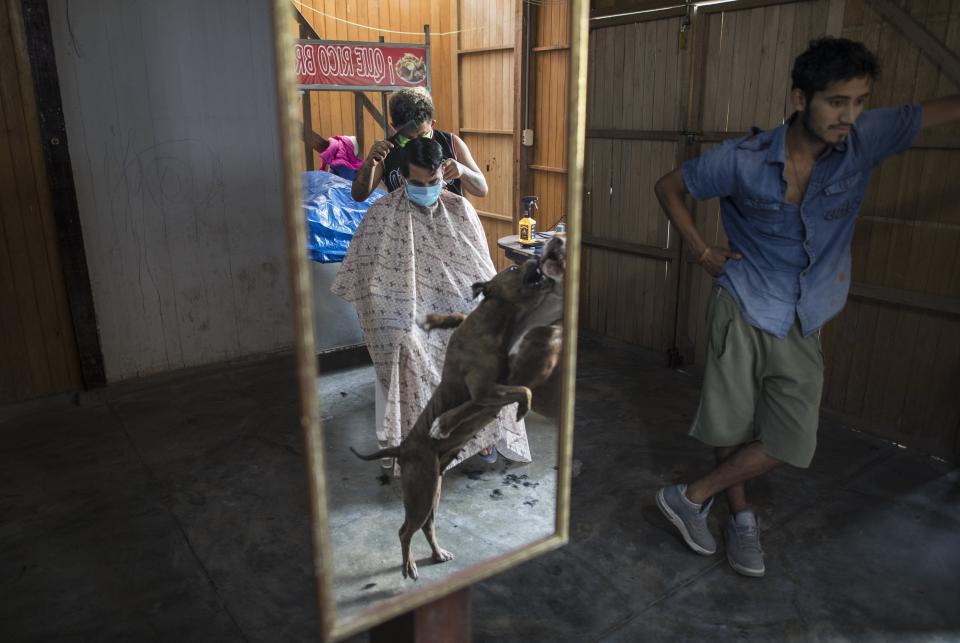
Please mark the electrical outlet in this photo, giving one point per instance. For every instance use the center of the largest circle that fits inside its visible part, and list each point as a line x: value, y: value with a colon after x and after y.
x: 526, y: 138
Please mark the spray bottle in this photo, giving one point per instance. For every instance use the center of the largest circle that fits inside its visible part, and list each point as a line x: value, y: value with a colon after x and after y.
x: 528, y: 224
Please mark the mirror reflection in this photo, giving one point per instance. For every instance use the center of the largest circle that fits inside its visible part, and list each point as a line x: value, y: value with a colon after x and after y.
x: 437, y: 247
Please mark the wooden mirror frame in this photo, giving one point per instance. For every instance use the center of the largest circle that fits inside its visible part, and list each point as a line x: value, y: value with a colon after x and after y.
x: 306, y: 359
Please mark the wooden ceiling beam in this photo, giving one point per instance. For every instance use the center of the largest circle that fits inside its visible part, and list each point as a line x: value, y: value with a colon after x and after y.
x: 929, y: 45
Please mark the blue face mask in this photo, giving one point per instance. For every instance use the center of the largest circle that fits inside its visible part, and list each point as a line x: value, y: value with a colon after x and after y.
x: 425, y: 196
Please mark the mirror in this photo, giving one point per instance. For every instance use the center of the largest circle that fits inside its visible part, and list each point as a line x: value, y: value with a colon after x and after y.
x: 436, y: 398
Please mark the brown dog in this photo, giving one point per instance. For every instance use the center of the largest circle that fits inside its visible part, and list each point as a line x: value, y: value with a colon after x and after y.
x: 474, y: 366
x: 534, y: 349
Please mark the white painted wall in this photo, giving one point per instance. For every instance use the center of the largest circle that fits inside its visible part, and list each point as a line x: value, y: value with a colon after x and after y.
x: 172, y: 128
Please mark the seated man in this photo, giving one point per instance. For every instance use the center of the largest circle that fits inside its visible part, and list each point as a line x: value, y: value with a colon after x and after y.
x: 419, y: 250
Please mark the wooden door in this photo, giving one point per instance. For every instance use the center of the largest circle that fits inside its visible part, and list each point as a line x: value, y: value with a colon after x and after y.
x: 634, y: 136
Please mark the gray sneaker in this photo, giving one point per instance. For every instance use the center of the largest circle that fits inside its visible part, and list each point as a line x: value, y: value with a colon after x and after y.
x: 689, y: 518
x: 743, y: 544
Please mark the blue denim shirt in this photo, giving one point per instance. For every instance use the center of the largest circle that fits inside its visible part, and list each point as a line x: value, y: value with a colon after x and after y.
x: 796, y: 257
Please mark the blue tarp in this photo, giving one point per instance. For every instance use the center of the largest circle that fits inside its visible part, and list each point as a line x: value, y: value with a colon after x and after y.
x: 332, y: 215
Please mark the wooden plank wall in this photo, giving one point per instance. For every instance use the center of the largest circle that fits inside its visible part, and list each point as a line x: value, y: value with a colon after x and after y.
x: 486, y: 71
x: 172, y: 121
x: 489, y: 58
x: 550, y: 70
x: 891, y: 366
x: 38, y: 354
x: 745, y: 82
x: 634, y: 90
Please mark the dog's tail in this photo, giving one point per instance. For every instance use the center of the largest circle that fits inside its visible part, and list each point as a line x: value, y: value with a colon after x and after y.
x: 391, y: 452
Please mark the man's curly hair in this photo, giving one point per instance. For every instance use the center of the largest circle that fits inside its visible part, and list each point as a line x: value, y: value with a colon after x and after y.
x: 828, y: 60
x: 411, y: 105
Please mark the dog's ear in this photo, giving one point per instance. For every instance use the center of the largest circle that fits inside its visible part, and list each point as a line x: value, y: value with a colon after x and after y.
x: 479, y: 288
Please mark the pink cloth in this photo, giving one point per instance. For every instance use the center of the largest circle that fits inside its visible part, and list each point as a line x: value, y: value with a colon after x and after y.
x: 340, y: 152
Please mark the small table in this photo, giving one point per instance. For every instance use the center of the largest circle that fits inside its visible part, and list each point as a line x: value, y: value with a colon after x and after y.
x: 516, y: 252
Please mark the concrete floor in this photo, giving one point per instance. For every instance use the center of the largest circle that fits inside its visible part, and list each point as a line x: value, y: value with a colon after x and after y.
x: 175, y: 509
x: 485, y: 509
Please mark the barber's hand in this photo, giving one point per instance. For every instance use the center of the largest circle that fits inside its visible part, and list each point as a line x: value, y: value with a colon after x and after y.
x: 714, y: 257
x: 452, y: 169
x: 378, y: 152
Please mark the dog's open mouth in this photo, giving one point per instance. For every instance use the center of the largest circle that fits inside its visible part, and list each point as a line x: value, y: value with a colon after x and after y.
x: 532, y: 275
x: 553, y: 263
x: 548, y: 267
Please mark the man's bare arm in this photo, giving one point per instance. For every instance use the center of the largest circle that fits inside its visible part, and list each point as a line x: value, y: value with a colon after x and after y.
x: 467, y: 171
x: 671, y: 190
x: 940, y: 111
x: 371, y: 172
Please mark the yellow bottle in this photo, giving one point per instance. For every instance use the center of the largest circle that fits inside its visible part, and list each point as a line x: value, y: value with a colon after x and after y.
x: 527, y: 231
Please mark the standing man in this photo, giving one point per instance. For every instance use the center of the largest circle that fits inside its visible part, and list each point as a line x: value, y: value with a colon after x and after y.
x: 789, y: 198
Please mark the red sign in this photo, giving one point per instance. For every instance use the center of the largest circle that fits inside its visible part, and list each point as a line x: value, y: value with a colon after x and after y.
x: 325, y: 65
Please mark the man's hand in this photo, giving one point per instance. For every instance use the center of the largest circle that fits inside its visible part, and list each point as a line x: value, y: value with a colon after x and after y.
x: 713, y: 258
x: 452, y: 169
x: 378, y: 152
x: 371, y: 171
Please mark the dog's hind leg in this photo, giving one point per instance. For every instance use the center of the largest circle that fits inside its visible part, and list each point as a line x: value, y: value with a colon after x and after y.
x: 409, y: 569
x: 419, y: 483
x: 448, y: 421
x: 429, y: 530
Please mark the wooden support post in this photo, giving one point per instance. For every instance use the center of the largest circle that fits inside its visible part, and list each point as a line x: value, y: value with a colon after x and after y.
x: 694, y: 58
x: 306, y: 30
x: 383, y: 109
x: 66, y: 212
x: 446, y: 620
x: 426, y: 41
x: 308, y: 134
x: 380, y: 118
x: 524, y: 105
x: 358, y: 99
x: 835, y: 17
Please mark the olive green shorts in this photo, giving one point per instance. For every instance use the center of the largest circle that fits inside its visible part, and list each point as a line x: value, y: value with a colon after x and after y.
x: 759, y: 387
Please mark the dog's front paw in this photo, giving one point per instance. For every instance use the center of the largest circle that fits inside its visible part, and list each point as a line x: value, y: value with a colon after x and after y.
x: 438, y: 431
x: 442, y: 556
x: 423, y: 321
